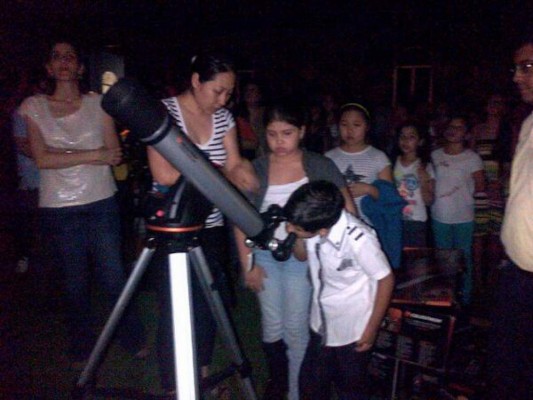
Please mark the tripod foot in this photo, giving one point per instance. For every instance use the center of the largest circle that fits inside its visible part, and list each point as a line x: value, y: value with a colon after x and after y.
x: 85, y: 392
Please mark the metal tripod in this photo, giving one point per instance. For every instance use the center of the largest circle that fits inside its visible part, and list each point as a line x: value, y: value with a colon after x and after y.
x: 184, y: 253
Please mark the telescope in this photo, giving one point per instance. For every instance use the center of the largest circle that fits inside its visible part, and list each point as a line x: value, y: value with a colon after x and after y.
x: 149, y: 121
x: 175, y: 219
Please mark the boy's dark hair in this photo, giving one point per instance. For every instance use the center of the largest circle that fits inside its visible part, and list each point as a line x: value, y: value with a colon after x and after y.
x: 314, y: 206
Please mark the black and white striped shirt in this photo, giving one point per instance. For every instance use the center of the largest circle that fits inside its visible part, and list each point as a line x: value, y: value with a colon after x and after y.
x: 214, y: 148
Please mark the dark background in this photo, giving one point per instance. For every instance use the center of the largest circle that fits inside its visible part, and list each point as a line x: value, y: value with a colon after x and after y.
x: 348, y: 46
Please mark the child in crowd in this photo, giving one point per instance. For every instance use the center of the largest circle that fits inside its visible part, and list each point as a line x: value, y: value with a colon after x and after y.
x: 283, y: 288
x: 317, y: 134
x: 458, y: 177
x: 249, y: 120
x: 352, y: 286
x: 415, y: 180
x: 360, y: 163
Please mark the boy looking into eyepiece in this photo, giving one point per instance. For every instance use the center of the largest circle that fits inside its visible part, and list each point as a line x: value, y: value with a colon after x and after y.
x: 352, y: 285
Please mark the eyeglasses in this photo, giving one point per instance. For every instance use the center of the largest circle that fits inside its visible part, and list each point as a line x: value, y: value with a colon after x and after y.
x: 524, y: 68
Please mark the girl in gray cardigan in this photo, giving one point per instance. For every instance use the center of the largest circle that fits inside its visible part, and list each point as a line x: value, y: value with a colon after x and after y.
x: 283, y: 288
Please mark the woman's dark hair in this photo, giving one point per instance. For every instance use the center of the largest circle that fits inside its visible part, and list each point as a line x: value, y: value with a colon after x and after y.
x: 284, y: 111
x: 314, y: 206
x: 208, y: 65
x: 50, y: 84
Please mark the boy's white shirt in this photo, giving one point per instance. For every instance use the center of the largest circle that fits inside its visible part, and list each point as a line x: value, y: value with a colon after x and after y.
x: 351, y: 263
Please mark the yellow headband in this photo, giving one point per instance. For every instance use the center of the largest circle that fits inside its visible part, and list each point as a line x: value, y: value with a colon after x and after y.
x: 357, y: 105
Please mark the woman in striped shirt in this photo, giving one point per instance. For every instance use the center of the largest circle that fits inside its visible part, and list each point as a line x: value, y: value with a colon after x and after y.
x: 199, y: 112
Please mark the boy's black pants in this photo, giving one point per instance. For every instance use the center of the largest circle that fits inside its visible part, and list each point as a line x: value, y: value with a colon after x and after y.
x: 341, y: 366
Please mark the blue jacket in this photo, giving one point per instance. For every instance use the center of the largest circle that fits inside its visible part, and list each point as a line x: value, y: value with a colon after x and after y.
x: 385, y: 214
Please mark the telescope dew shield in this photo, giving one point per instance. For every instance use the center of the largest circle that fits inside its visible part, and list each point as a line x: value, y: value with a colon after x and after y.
x: 148, y: 120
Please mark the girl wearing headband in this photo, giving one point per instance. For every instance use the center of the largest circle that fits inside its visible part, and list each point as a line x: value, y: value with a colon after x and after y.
x: 360, y: 163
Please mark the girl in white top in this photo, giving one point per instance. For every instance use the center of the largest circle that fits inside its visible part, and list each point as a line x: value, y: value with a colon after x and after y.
x: 415, y: 180
x: 458, y: 176
x: 360, y: 163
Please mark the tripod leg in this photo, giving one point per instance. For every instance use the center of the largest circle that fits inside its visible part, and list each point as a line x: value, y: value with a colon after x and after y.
x: 182, y: 322
x: 118, y: 310
x: 218, y: 310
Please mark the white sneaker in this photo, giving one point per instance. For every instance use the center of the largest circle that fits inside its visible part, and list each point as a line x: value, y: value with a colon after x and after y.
x: 22, y: 265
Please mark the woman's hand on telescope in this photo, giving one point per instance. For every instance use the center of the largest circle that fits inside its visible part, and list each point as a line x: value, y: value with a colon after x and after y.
x: 253, y: 279
x: 243, y: 176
